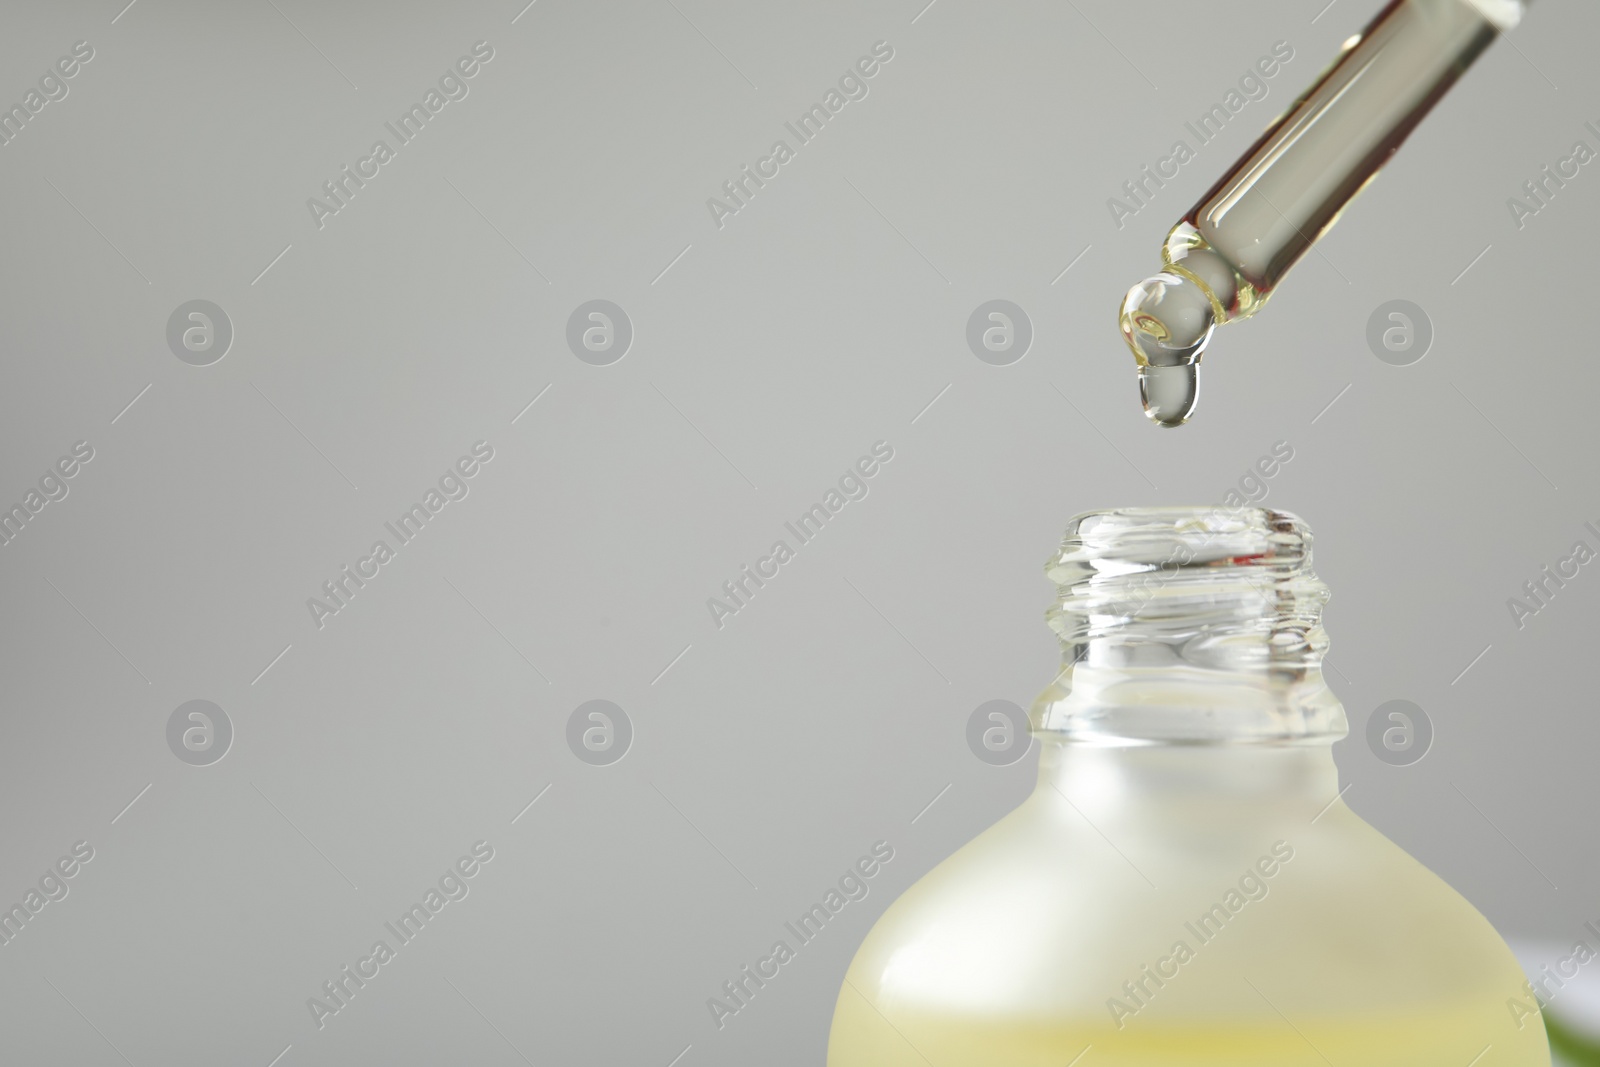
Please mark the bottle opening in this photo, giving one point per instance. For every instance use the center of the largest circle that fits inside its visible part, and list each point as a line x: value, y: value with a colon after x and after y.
x: 1189, y: 625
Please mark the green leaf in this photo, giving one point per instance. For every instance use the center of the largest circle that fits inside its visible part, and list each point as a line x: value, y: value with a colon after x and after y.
x: 1570, y: 1045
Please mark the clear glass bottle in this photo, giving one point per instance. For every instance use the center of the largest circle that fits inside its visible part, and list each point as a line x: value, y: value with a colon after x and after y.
x: 1184, y: 886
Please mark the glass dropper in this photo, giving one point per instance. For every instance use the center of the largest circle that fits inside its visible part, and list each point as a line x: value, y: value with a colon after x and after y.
x: 1227, y: 255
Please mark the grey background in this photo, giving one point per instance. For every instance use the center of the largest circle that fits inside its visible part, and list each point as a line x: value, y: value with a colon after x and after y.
x: 825, y: 316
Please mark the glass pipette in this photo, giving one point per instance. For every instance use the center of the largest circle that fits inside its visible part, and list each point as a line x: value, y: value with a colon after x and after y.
x: 1227, y: 255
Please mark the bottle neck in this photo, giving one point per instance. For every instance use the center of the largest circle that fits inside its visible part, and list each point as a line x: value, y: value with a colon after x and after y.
x: 1218, y: 785
x: 1116, y: 706
x: 1186, y: 626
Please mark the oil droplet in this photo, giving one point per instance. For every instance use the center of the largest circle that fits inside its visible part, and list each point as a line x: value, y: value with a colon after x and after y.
x: 1167, y: 321
x: 1169, y: 393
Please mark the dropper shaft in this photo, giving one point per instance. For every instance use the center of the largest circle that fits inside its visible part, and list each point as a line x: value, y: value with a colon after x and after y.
x: 1291, y: 185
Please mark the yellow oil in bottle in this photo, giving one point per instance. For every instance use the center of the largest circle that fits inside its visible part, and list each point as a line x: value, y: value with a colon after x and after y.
x: 1411, y: 1042
x: 1020, y: 950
